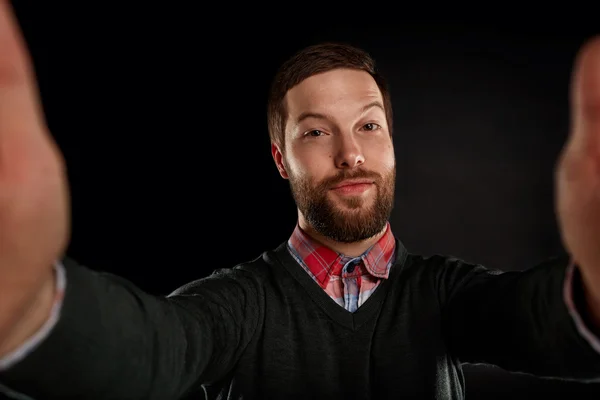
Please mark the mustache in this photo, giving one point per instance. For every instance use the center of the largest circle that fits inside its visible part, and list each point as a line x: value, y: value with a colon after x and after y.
x: 346, y: 174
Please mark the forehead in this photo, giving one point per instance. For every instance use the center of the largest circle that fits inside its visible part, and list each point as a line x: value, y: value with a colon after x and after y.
x: 337, y: 92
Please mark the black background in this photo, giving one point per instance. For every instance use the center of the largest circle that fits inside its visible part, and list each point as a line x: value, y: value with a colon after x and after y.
x: 160, y: 112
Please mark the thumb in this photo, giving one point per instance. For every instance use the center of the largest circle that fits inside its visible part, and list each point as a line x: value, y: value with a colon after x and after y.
x: 585, y: 101
x: 20, y: 111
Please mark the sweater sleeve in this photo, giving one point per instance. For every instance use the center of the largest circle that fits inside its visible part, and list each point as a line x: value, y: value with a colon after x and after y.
x: 518, y: 320
x: 114, y: 341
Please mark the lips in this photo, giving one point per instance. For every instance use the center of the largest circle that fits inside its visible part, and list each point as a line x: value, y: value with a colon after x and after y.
x: 353, y: 182
x: 353, y: 187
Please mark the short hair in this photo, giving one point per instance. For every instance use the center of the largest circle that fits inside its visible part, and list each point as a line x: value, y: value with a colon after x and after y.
x: 311, y: 61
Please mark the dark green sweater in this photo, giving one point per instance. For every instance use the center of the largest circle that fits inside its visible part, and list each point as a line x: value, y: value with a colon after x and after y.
x: 265, y: 329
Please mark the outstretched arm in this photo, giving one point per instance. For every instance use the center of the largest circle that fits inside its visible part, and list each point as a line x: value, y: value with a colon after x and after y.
x: 111, y: 340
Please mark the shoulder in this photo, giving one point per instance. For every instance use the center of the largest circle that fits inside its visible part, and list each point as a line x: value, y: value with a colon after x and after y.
x: 436, y: 264
x: 438, y: 271
x: 246, y: 276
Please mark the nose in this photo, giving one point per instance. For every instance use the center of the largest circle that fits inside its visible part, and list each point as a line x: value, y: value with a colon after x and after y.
x: 349, y: 154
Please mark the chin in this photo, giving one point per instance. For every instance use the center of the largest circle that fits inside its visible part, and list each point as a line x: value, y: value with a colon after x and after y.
x: 353, y: 204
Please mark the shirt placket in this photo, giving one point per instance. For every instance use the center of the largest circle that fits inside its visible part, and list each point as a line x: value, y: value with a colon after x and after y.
x: 350, y: 282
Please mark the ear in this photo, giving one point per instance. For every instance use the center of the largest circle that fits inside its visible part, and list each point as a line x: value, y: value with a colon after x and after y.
x: 278, y: 157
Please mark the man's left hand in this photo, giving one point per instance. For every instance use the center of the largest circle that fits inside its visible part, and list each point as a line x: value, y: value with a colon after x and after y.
x: 578, y: 174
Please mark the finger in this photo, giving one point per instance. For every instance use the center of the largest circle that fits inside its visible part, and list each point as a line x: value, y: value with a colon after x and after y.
x: 20, y: 112
x: 585, y: 100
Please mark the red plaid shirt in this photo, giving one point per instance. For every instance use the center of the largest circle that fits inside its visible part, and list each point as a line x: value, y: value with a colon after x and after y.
x: 347, y: 280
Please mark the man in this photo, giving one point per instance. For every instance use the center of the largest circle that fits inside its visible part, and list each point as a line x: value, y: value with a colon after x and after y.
x: 340, y: 310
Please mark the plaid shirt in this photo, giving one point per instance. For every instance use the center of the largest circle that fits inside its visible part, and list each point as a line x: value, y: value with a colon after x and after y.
x: 347, y: 280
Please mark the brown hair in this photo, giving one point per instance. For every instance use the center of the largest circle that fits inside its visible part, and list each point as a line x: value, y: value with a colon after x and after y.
x: 310, y: 61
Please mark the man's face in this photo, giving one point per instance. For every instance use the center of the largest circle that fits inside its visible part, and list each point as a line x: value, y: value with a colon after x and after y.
x: 338, y: 155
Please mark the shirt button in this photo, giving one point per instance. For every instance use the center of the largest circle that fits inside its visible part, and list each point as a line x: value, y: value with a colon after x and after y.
x: 350, y: 267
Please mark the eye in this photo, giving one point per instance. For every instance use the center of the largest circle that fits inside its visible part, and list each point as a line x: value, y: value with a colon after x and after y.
x: 314, y: 133
x: 371, y: 126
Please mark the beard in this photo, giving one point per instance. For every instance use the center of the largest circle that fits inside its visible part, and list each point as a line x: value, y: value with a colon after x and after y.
x: 353, y: 220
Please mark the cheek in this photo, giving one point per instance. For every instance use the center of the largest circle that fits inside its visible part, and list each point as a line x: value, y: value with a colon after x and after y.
x: 308, y: 173
x: 390, y: 160
x: 309, y: 164
x: 383, y: 156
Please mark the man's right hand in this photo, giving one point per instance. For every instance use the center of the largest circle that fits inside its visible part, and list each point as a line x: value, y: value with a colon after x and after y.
x: 34, y: 198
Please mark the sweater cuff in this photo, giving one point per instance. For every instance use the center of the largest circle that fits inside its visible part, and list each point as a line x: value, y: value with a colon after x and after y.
x: 575, y: 305
x: 34, y: 341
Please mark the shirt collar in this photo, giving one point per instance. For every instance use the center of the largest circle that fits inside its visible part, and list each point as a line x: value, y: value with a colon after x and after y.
x: 324, y: 262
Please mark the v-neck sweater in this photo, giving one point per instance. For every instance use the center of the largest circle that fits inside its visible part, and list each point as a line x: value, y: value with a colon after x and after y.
x: 265, y: 330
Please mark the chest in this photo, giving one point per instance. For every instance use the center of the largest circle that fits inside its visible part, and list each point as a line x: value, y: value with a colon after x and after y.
x: 307, y: 345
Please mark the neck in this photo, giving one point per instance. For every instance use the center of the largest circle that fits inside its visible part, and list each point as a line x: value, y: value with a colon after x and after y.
x: 353, y: 249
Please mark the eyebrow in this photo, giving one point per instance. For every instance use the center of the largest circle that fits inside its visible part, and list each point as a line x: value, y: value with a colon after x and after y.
x: 364, y: 109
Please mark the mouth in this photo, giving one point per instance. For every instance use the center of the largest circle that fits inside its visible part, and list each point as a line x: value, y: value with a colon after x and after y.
x: 353, y: 186
x: 353, y: 182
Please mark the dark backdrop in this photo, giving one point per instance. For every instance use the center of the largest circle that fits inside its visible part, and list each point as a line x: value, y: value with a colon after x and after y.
x: 160, y: 113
